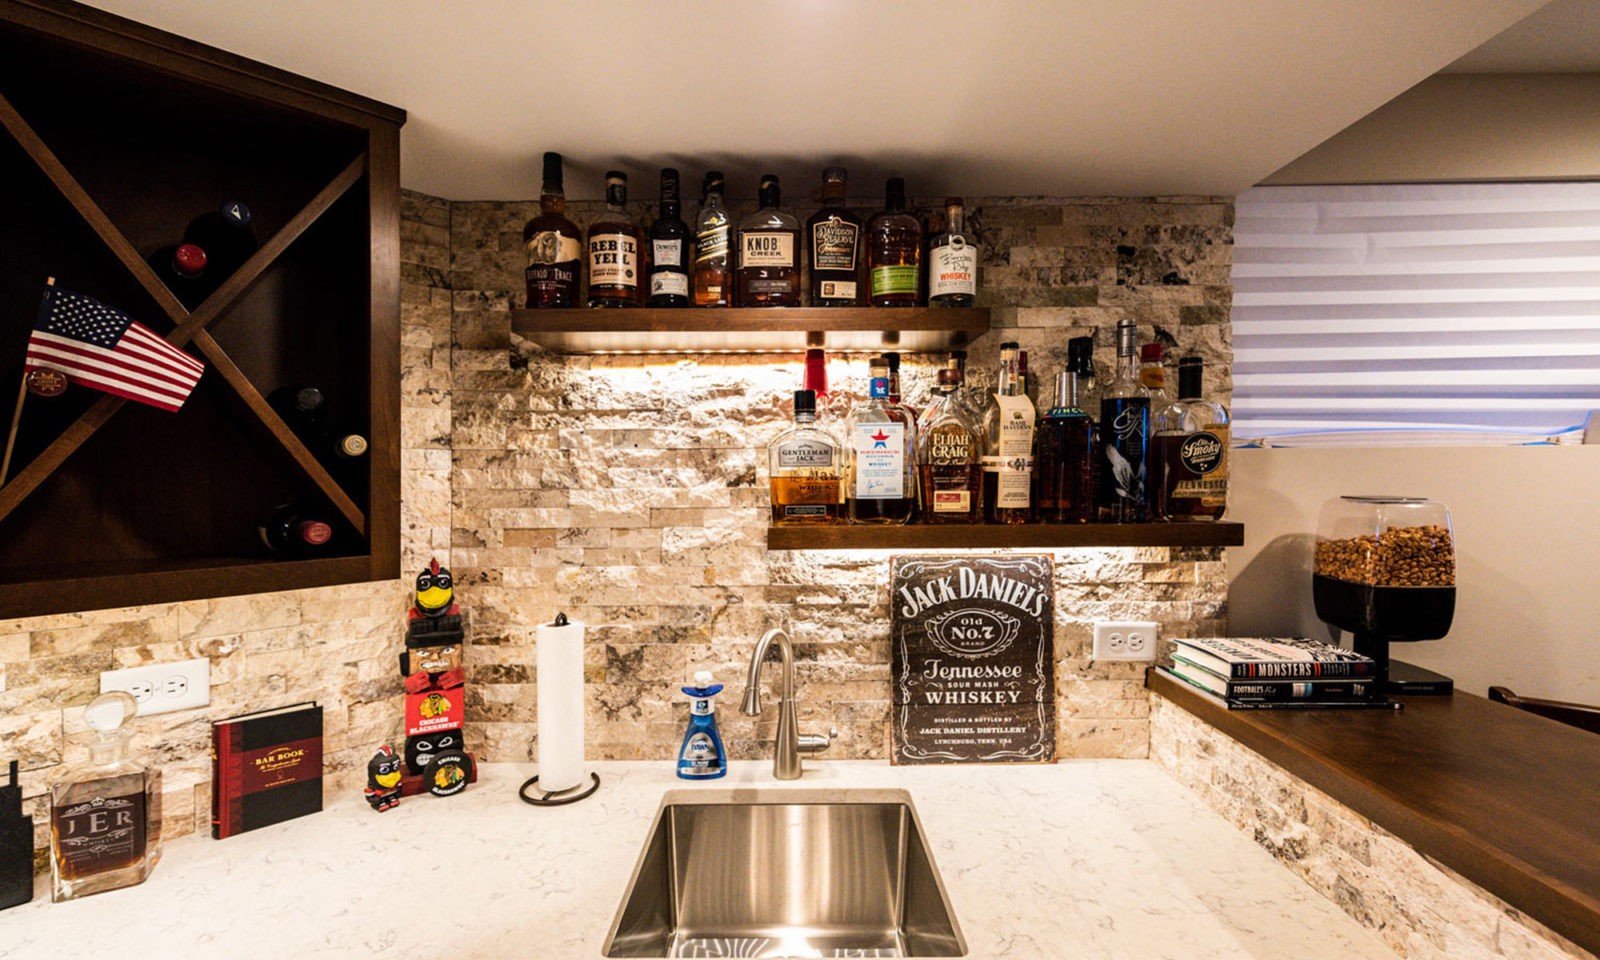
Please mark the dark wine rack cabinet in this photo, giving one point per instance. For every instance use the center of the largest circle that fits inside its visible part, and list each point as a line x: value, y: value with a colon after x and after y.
x: 113, y: 136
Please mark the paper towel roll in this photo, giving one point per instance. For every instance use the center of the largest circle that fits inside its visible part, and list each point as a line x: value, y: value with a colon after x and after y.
x: 560, y: 687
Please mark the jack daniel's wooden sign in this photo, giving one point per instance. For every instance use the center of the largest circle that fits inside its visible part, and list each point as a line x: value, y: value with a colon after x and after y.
x: 973, y: 659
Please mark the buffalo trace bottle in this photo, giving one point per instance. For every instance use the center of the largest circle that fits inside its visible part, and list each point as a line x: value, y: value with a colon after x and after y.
x: 105, y: 815
x: 833, y: 237
x: 1124, y: 436
x: 1189, y: 456
x: 713, y: 246
x: 949, y: 479
x: 952, y: 260
x: 894, y: 251
x: 669, y: 248
x: 769, y: 253
x: 883, y: 451
x: 805, y: 469
x: 616, y: 255
x: 554, y: 245
x: 1064, y: 468
x: 1008, y: 447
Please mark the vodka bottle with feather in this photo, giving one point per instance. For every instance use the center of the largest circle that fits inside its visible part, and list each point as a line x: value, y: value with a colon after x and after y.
x: 1124, y: 435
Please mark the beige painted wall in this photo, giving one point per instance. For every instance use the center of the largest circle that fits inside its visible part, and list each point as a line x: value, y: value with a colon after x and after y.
x: 1466, y: 127
x: 1527, y: 537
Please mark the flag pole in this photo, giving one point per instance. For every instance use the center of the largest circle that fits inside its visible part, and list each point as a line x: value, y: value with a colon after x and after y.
x: 16, y: 413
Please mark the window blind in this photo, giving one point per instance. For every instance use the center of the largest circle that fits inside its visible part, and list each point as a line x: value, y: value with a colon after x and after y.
x: 1417, y: 306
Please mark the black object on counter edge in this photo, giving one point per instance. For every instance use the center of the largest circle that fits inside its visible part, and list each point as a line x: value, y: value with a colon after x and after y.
x: 16, y: 846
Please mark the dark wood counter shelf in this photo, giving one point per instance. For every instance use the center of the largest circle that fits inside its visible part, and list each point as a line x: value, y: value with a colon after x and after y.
x: 1503, y: 797
x: 750, y: 330
x: 994, y: 536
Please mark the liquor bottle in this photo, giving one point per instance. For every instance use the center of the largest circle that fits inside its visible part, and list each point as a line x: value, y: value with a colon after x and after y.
x: 1064, y: 469
x: 832, y: 409
x: 1124, y: 436
x: 183, y: 269
x: 1153, y: 374
x: 291, y: 530
x: 894, y: 251
x: 949, y: 477
x: 805, y: 467
x: 769, y: 254
x: 893, y: 360
x: 713, y: 243
x: 1027, y: 383
x: 957, y: 361
x: 1189, y: 459
x: 616, y: 263
x: 883, y: 454
x: 227, y: 237
x: 833, y: 236
x: 669, y: 248
x: 1008, y: 424
x: 105, y: 814
x: 554, y: 245
x: 1080, y: 360
x: 953, y: 260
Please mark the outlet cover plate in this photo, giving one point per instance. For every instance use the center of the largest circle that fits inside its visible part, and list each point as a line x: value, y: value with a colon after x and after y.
x: 163, y: 687
x: 1126, y: 640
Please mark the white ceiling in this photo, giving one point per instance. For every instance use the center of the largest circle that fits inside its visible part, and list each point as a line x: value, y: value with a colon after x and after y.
x: 1564, y: 37
x: 999, y: 97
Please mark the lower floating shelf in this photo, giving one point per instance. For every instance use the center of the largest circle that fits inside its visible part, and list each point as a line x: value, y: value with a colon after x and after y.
x: 995, y: 536
x: 751, y: 330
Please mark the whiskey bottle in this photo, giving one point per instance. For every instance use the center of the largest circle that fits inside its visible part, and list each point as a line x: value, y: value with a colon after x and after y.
x: 669, y: 248
x: 805, y: 469
x: 949, y: 478
x: 1124, y: 436
x: 1189, y: 457
x: 1080, y: 360
x: 953, y: 260
x: 833, y: 410
x: 894, y: 251
x: 1008, y: 447
x: 105, y: 815
x: 1027, y: 382
x: 833, y: 235
x: 713, y: 244
x: 616, y: 266
x: 1153, y: 374
x: 883, y: 455
x: 769, y: 264
x: 554, y: 245
x: 1064, y: 469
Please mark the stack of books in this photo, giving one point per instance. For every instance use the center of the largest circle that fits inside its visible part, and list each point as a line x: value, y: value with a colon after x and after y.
x: 1248, y: 673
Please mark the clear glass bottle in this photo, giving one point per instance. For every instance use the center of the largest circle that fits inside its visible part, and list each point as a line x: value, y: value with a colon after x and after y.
x: 806, y: 469
x: 1027, y: 381
x: 894, y: 251
x: 957, y: 361
x: 105, y: 815
x: 769, y: 253
x: 949, y: 478
x: 1064, y: 470
x: 1124, y: 436
x: 1008, y: 425
x: 669, y: 248
x: 1153, y: 374
x: 713, y: 244
x: 1189, y: 456
x: 953, y: 260
x: 833, y: 238
x: 554, y: 245
x: 616, y: 256
x: 883, y: 455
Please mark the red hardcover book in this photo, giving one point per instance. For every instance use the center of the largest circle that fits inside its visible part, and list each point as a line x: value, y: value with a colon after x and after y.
x: 267, y: 768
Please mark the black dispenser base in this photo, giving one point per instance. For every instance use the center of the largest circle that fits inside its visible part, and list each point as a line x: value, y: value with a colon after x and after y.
x: 1410, y: 680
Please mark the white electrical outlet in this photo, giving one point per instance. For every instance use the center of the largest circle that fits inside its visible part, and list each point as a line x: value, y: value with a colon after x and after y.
x: 1126, y: 640
x: 163, y: 687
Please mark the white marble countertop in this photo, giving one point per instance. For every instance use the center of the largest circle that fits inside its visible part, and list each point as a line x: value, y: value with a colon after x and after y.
x: 1090, y: 859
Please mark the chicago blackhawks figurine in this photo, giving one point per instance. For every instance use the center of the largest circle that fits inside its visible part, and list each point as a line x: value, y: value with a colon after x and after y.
x: 431, y: 665
x: 383, y: 779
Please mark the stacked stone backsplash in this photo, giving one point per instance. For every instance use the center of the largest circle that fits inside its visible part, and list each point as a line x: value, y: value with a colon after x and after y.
x: 630, y: 492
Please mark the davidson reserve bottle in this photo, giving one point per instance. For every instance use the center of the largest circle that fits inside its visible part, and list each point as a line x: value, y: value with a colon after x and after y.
x: 1189, y: 458
x: 1124, y: 436
x: 833, y: 236
x: 554, y: 244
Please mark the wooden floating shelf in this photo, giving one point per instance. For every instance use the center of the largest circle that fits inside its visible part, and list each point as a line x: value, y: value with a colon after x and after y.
x: 751, y: 329
x: 995, y: 536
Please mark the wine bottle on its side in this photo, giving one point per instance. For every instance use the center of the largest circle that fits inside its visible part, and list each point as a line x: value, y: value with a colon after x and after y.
x: 228, y: 239
x: 305, y: 409
x: 183, y: 268
x: 293, y: 530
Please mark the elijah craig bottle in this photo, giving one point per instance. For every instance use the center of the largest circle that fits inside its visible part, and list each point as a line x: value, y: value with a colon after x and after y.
x: 617, y: 260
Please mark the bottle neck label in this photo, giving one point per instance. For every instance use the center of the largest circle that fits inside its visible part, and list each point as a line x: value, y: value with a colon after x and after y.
x: 879, y: 388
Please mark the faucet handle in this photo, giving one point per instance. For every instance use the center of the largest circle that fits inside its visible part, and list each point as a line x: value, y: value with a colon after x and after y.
x: 816, y: 743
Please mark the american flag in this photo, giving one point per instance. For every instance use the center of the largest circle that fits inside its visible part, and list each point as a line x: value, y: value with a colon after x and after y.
x: 105, y: 349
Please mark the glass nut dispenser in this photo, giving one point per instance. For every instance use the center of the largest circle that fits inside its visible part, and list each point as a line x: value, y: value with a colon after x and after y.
x: 1385, y: 570
x: 105, y: 814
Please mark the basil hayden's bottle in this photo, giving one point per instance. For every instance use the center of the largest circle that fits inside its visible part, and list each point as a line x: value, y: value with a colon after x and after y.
x: 1124, y: 435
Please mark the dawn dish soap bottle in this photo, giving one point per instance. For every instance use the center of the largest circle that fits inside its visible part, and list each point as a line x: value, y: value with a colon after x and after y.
x: 701, y: 757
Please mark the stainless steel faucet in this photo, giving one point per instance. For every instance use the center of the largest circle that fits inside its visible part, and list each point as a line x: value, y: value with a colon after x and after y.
x: 790, y: 744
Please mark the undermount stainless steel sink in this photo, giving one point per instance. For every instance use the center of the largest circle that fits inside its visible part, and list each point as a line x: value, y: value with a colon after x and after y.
x: 785, y: 874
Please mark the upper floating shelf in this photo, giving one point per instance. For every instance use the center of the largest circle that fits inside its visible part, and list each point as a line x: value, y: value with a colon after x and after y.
x: 751, y: 329
x: 995, y: 536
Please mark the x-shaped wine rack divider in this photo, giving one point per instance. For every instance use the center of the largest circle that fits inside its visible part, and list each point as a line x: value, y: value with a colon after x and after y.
x: 187, y: 326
